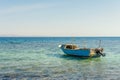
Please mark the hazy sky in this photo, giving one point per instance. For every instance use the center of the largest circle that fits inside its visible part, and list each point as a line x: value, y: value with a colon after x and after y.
x: 59, y: 17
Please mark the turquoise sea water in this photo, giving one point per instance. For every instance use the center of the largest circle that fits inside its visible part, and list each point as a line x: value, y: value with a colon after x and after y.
x: 39, y: 58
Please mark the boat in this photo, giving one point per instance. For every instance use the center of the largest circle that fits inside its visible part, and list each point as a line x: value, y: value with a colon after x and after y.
x: 72, y: 49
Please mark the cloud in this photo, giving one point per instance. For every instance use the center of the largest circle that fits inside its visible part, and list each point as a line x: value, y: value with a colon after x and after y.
x: 25, y: 8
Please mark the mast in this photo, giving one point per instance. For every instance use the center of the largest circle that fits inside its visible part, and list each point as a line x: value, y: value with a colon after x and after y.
x: 99, y: 43
x: 84, y: 44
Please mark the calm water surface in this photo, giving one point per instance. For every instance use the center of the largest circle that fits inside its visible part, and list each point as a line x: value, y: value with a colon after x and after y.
x: 40, y: 59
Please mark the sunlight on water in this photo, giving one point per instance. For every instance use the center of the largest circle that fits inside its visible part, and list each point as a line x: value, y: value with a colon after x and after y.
x: 40, y: 58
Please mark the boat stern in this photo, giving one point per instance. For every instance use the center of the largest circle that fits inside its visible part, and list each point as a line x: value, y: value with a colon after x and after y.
x: 97, y: 52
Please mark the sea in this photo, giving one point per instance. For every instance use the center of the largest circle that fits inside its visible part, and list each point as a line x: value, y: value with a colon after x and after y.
x: 40, y: 58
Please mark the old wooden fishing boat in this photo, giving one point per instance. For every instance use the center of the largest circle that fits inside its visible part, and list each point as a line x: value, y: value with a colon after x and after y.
x: 72, y: 49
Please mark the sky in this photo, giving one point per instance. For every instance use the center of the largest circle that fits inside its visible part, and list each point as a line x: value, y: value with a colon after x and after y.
x: 59, y: 17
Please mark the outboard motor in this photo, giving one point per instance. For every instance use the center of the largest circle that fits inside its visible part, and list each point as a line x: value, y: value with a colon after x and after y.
x: 99, y: 51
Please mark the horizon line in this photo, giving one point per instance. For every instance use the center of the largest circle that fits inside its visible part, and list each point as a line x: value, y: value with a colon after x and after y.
x: 59, y: 36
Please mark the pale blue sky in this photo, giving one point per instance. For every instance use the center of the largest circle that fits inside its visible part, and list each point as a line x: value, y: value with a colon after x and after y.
x: 59, y: 17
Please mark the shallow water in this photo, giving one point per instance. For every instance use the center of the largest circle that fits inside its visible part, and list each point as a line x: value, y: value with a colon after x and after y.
x: 41, y: 59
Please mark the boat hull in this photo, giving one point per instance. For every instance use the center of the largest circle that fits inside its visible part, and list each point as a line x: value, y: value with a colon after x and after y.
x: 77, y: 52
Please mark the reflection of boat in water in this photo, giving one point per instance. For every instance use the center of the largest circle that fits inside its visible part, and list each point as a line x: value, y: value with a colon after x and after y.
x: 72, y: 49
